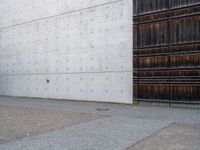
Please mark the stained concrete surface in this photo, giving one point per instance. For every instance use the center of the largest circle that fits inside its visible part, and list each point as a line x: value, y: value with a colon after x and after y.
x: 19, y: 122
x: 79, y: 126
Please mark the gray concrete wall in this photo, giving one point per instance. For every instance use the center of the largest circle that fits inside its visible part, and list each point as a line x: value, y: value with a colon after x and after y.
x: 83, y: 47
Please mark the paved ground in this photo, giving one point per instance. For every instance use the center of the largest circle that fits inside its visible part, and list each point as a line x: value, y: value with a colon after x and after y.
x: 19, y: 122
x: 174, y: 137
x: 34, y: 124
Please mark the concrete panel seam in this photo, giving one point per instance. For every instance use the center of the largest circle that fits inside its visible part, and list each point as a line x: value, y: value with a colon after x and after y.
x: 60, y: 14
x: 126, y: 71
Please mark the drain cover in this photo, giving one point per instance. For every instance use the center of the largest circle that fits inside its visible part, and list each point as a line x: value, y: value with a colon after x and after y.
x: 102, y: 109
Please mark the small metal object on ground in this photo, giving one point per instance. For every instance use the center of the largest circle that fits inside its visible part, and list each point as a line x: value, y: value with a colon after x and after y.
x: 102, y: 109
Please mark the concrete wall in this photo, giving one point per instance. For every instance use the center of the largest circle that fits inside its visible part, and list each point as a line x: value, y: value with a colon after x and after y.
x: 83, y: 48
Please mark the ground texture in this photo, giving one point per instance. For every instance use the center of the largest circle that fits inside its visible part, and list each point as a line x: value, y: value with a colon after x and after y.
x: 34, y: 124
x: 174, y: 137
x: 19, y: 122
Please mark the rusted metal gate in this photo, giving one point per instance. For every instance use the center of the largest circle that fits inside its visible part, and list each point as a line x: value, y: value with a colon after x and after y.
x: 167, y: 51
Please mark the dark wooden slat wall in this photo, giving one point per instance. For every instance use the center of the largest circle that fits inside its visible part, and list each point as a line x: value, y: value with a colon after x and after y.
x: 166, y: 52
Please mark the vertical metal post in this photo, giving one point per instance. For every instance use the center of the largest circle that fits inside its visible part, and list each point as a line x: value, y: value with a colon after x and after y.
x: 169, y: 47
x: 135, y: 44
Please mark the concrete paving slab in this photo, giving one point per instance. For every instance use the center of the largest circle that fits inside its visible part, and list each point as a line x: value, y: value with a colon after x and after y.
x: 175, y: 137
x: 19, y: 122
x: 111, y: 133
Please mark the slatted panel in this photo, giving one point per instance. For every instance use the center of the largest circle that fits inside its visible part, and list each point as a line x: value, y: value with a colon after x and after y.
x: 167, y: 50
